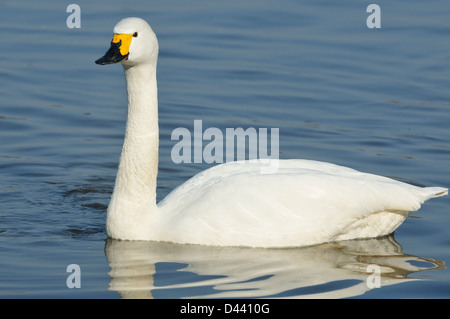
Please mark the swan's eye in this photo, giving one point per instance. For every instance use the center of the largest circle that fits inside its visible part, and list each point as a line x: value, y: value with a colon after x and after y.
x: 135, y: 34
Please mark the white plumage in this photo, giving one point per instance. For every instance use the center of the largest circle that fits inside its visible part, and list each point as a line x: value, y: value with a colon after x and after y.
x: 237, y: 204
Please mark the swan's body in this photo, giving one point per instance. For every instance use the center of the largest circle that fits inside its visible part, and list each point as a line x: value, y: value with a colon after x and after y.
x: 234, y: 204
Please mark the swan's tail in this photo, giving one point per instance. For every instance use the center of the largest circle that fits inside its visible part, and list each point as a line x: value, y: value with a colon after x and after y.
x: 432, y: 192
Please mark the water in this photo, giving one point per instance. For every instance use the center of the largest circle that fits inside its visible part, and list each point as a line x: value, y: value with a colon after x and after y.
x: 373, y: 99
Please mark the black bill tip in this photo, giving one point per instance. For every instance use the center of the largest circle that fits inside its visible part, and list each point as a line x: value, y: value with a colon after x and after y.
x: 113, y: 55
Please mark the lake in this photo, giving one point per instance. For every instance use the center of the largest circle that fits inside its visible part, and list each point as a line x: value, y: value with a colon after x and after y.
x: 374, y: 99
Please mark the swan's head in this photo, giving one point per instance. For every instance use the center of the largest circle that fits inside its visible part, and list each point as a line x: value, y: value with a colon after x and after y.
x: 134, y: 42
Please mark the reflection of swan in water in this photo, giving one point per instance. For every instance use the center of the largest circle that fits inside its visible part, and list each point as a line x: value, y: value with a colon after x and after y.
x: 308, y: 272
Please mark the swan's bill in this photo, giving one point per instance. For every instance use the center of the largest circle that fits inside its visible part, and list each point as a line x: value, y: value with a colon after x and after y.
x: 118, y: 51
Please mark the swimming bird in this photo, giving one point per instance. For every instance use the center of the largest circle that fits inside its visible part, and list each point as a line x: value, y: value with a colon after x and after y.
x: 300, y: 203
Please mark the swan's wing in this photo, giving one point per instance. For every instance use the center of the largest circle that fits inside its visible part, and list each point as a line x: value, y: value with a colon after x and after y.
x: 304, y: 202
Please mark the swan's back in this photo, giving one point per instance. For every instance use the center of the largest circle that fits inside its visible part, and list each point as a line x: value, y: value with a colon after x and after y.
x: 303, y: 203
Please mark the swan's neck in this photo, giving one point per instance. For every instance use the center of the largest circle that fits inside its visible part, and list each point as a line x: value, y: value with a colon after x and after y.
x: 134, y: 197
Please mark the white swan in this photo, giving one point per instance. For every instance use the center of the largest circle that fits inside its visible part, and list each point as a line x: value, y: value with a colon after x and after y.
x: 233, y: 204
